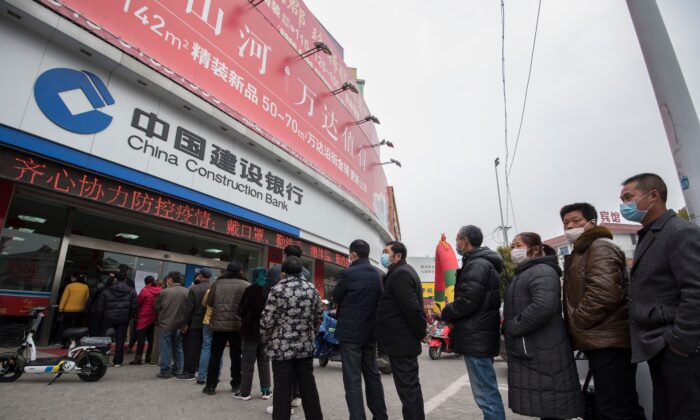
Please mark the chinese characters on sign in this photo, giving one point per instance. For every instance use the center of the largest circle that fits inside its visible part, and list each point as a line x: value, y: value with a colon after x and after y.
x: 195, y: 146
x: 247, y: 64
x: 610, y: 217
x: 51, y: 176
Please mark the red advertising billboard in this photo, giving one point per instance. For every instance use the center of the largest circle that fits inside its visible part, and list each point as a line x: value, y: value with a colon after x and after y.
x: 243, y: 60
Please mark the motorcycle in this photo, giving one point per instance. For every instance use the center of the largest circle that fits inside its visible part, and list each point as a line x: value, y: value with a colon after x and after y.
x: 327, y: 345
x: 439, y: 341
x: 88, y: 360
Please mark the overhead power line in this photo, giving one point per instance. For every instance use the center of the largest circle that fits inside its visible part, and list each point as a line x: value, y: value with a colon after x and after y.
x: 527, y: 87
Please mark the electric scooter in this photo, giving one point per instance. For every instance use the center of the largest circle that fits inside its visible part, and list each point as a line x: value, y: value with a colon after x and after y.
x: 439, y: 341
x: 87, y: 360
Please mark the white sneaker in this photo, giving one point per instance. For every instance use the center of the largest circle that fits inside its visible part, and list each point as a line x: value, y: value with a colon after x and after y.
x: 296, y: 402
x: 268, y: 410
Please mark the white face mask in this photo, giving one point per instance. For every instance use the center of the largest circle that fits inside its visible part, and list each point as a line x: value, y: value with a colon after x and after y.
x: 519, y: 255
x: 573, y: 234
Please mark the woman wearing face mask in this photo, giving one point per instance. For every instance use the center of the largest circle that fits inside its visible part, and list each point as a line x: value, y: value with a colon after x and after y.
x: 542, y: 377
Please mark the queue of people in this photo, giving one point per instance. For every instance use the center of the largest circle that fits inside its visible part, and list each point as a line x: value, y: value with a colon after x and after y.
x: 615, y: 316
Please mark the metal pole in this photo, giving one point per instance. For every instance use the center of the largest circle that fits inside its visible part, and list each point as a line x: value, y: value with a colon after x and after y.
x: 677, y: 111
x: 500, y: 206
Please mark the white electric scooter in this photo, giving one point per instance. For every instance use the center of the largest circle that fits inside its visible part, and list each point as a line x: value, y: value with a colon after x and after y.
x: 87, y: 360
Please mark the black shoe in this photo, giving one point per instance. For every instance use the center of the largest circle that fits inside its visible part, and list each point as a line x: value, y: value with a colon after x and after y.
x: 209, y: 391
x: 185, y: 377
x: 135, y: 362
x: 201, y: 382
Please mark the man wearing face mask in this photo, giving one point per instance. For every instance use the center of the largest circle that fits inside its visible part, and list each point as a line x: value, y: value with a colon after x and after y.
x: 596, y: 281
x: 665, y: 297
x: 476, y: 318
x: 401, y: 327
x: 357, y: 294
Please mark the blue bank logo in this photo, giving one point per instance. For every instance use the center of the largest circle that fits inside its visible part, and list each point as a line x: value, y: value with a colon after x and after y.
x: 52, y: 83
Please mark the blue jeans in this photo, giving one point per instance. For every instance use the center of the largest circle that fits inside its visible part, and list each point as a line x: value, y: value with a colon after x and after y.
x: 484, y: 386
x: 171, y: 345
x: 204, y: 355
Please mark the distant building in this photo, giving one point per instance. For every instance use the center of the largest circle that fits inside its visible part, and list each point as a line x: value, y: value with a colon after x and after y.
x: 425, y: 267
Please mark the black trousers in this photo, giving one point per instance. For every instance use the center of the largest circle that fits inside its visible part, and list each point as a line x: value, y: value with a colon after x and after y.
x: 193, y: 347
x: 284, y: 373
x: 119, y: 337
x: 218, y: 344
x: 360, y: 360
x: 141, y: 336
x: 615, y: 379
x: 676, y: 382
x: 405, y: 373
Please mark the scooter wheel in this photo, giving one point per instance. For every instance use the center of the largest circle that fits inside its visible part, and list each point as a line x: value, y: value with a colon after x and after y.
x: 323, y: 361
x: 435, y: 352
x: 11, y: 366
x: 93, y: 366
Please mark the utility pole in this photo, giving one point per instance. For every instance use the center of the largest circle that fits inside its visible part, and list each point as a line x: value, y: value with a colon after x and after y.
x: 676, y: 107
x: 500, y: 206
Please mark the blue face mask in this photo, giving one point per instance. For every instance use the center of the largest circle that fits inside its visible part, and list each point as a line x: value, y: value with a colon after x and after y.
x: 632, y: 213
x: 384, y: 259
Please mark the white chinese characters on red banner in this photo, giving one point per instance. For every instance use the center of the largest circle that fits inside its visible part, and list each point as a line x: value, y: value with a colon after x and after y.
x: 228, y: 53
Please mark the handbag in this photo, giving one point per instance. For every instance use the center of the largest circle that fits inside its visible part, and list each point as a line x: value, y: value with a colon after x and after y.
x: 591, y: 407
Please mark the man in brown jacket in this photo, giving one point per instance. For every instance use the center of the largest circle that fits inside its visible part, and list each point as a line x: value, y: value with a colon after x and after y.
x: 224, y: 297
x: 596, y: 283
x: 170, y: 305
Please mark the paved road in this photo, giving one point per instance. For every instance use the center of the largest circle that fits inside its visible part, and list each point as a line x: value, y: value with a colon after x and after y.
x: 134, y: 392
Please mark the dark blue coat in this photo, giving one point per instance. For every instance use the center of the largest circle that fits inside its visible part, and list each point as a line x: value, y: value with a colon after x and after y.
x: 357, y: 294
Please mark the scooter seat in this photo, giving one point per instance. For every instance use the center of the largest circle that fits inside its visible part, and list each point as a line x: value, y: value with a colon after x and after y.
x: 77, y: 332
x: 96, y: 341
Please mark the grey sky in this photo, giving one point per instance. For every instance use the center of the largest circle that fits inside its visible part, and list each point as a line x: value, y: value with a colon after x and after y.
x: 434, y: 80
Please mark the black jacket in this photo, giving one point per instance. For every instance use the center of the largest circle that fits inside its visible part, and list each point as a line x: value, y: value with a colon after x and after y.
x: 357, y: 294
x: 250, y: 309
x: 194, y: 310
x: 117, y: 303
x: 400, y: 319
x: 475, y: 310
x: 542, y: 377
x: 665, y: 289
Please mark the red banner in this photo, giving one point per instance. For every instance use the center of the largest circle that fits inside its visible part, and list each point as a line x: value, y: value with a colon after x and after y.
x: 228, y: 53
x: 12, y: 305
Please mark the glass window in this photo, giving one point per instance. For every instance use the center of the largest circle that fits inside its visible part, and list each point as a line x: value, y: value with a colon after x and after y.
x: 123, y: 230
x: 331, y: 272
x: 29, y: 245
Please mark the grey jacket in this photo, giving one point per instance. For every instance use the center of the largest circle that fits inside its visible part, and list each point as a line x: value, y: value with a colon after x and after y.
x: 224, y: 297
x: 542, y: 377
x: 665, y: 289
x: 170, y: 305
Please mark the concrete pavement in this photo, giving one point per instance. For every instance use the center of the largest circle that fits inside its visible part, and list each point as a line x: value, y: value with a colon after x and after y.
x: 134, y: 392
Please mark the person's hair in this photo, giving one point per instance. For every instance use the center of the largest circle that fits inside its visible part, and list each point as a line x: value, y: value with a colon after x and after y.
x: 293, y: 251
x: 472, y: 234
x: 79, y: 277
x: 123, y: 267
x: 647, y: 182
x: 235, y: 267
x: 360, y: 247
x: 292, y: 265
x: 397, y: 248
x: 149, y: 280
x: 120, y: 276
x: 176, y: 276
x: 533, y: 240
x: 548, y: 250
x: 588, y: 211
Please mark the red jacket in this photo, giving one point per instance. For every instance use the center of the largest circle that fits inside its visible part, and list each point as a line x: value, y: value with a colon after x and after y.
x: 147, y: 311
